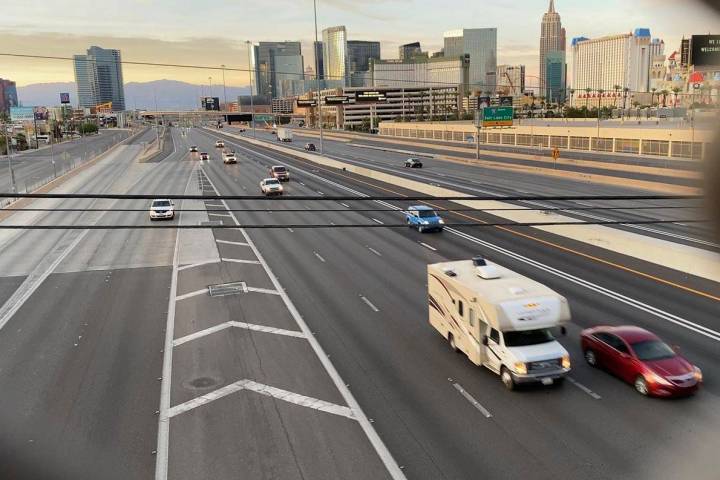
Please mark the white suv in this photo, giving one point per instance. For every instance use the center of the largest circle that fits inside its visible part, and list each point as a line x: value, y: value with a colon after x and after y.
x: 271, y: 186
x: 162, y: 208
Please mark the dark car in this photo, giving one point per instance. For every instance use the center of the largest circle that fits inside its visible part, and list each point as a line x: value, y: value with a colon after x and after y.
x: 641, y: 359
x: 310, y: 147
x: 193, y: 148
x: 280, y: 173
x: 413, y: 163
x: 204, y: 156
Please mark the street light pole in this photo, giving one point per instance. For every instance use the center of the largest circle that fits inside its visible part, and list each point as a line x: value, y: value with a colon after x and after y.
x: 8, y: 139
x: 317, y: 78
x: 224, y: 91
x: 252, y: 102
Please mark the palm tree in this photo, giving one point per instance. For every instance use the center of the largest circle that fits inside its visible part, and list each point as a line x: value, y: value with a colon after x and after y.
x: 625, y: 95
x: 600, y: 94
x: 664, y: 94
x: 587, y: 96
x: 616, y: 88
x: 652, y: 96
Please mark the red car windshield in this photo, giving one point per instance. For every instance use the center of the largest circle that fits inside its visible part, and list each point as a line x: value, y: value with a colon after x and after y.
x: 649, y: 350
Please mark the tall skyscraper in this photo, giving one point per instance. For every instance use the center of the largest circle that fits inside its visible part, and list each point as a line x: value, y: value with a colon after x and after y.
x: 360, y: 53
x: 552, y: 39
x: 622, y: 60
x: 555, y: 70
x: 318, y: 60
x: 99, y: 78
x: 8, y: 95
x: 335, y: 54
x: 481, y: 45
x: 275, y: 62
x: 410, y: 50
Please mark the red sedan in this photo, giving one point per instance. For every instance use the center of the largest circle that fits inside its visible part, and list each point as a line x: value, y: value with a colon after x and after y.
x: 641, y: 359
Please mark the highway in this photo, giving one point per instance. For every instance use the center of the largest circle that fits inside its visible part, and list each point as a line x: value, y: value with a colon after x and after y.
x: 320, y: 363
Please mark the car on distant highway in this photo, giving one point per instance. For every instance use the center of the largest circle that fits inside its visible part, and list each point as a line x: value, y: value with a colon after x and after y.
x: 413, y: 163
x: 162, y: 208
x: 204, y: 156
x: 641, y: 359
x: 229, y: 157
x: 424, y: 218
x: 219, y: 144
x: 273, y: 132
x: 193, y: 149
x: 280, y: 173
x: 241, y: 130
x: 271, y: 186
x: 310, y: 147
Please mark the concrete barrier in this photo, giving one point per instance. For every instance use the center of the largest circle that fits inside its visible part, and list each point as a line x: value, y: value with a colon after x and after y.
x: 683, y: 258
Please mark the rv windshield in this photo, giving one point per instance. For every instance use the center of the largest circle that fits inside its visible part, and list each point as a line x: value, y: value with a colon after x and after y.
x: 528, y: 337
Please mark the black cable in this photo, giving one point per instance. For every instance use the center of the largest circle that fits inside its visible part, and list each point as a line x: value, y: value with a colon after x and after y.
x: 334, y: 226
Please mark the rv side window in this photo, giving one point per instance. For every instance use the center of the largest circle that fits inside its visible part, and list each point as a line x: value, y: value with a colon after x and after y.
x: 495, y: 336
x: 471, y: 315
x: 460, y: 308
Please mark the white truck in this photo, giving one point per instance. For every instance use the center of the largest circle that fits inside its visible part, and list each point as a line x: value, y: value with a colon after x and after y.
x: 284, y: 134
x: 500, y: 319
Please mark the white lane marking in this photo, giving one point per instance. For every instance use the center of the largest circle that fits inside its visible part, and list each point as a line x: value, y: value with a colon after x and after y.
x: 228, y: 242
x: 669, y: 317
x: 380, y: 448
x: 239, y: 260
x: 472, y: 401
x: 213, y: 205
x: 321, y: 193
x: 377, y: 221
x: 291, y: 230
x: 584, y: 204
x: 369, y: 304
x: 263, y: 290
x: 345, y: 205
x: 301, y: 183
x: 428, y: 246
x: 584, y: 388
x: 232, y: 324
x: 191, y: 294
x: 218, y: 215
x: 199, y: 264
x: 162, y: 449
x: 375, y: 251
x: 267, y: 390
x: 319, y: 257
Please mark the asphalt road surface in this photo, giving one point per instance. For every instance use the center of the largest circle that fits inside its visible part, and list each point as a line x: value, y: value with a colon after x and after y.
x: 317, y: 361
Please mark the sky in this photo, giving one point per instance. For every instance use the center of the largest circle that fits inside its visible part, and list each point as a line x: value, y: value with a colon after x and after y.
x: 213, y: 32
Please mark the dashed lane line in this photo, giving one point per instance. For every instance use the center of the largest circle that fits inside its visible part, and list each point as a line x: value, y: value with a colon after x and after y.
x: 241, y: 325
x: 472, y: 401
x: 198, y: 264
x: 239, y: 260
x: 375, y: 251
x: 428, y: 246
x: 228, y: 242
x: 369, y: 304
x: 377, y: 221
x: 319, y: 257
x: 583, y: 388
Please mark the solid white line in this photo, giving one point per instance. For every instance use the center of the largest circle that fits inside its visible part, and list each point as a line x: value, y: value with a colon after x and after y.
x: 584, y: 388
x: 375, y: 251
x: 191, y: 294
x: 263, y: 290
x: 266, y: 390
x: 228, y: 242
x: 707, y: 332
x: 162, y: 449
x: 380, y: 448
x: 218, y: 215
x: 213, y: 205
x: 369, y: 304
x: 237, y: 260
x: 319, y: 257
x: 428, y: 246
x: 345, y: 205
x: 242, y: 325
x: 472, y: 401
x: 377, y: 221
x: 199, y: 264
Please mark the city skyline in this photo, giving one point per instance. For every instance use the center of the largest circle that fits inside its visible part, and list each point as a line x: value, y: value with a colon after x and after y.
x: 517, y: 40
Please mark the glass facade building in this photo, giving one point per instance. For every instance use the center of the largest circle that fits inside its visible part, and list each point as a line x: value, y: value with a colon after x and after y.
x: 335, y: 54
x: 99, y: 78
x: 318, y: 65
x: 275, y: 62
x: 555, y: 76
x: 481, y: 45
x: 360, y: 53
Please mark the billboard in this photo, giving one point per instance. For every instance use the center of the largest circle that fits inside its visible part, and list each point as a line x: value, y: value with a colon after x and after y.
x: 369, y: 96
x: 337, y: 100
x: 483, y: 102
x: 64, y: 98
x: 210, y: 103
x: 22, y: 114
x: 505, y: 101
x: 498, y: 117
x: 41, y: 113
x: 306, y: 103
x: 705, y: 50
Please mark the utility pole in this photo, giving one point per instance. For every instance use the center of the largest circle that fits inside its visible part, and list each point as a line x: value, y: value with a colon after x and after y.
x: 252, y: 102
x: 317, y: 78
x: 224, y: 91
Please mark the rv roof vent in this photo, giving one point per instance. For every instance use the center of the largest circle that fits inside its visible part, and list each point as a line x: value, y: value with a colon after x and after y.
x: 517, y: 290
x: 450, y: 272
x: 488, y: 272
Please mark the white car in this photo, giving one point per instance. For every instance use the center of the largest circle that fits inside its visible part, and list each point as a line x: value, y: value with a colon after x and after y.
x: 219, y: 144
x: 229, y: 157
x: 162, y: 208
x: 271, y: 186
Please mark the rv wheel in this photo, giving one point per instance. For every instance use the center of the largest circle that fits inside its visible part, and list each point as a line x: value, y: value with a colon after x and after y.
x: 507, y: 379
x: 453, y: 345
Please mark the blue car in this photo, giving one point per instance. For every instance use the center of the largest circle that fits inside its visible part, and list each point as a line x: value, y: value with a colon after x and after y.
x: 424, y: 219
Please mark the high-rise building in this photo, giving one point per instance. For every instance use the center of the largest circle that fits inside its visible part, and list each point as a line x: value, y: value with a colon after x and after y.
x: 410, y: 50
x: 423, y: 73
x: 603, y: 63
x: 657, y: 47
x: 481, y: 45
x: 360, y: 53
x: 99, y: 78
x: 555, y: 70
x: 685, y: 52
x: 274, y: 62
x: 511, y: 80
x: 335, y: 54
x: 552, y: 39
x: 318, y: 65
x: 8, y: 95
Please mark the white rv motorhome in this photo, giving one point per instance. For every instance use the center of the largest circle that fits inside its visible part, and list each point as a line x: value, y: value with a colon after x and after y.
x: 500, y: 319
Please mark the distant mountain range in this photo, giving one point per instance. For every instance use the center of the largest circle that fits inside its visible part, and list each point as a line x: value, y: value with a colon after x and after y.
x: 171, y: 94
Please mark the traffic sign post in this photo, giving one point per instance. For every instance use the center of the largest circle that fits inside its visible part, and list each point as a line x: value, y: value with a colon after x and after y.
x: 497, y: 116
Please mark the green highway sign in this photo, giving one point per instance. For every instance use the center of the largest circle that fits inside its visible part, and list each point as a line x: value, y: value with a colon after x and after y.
x: 497, y: 116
